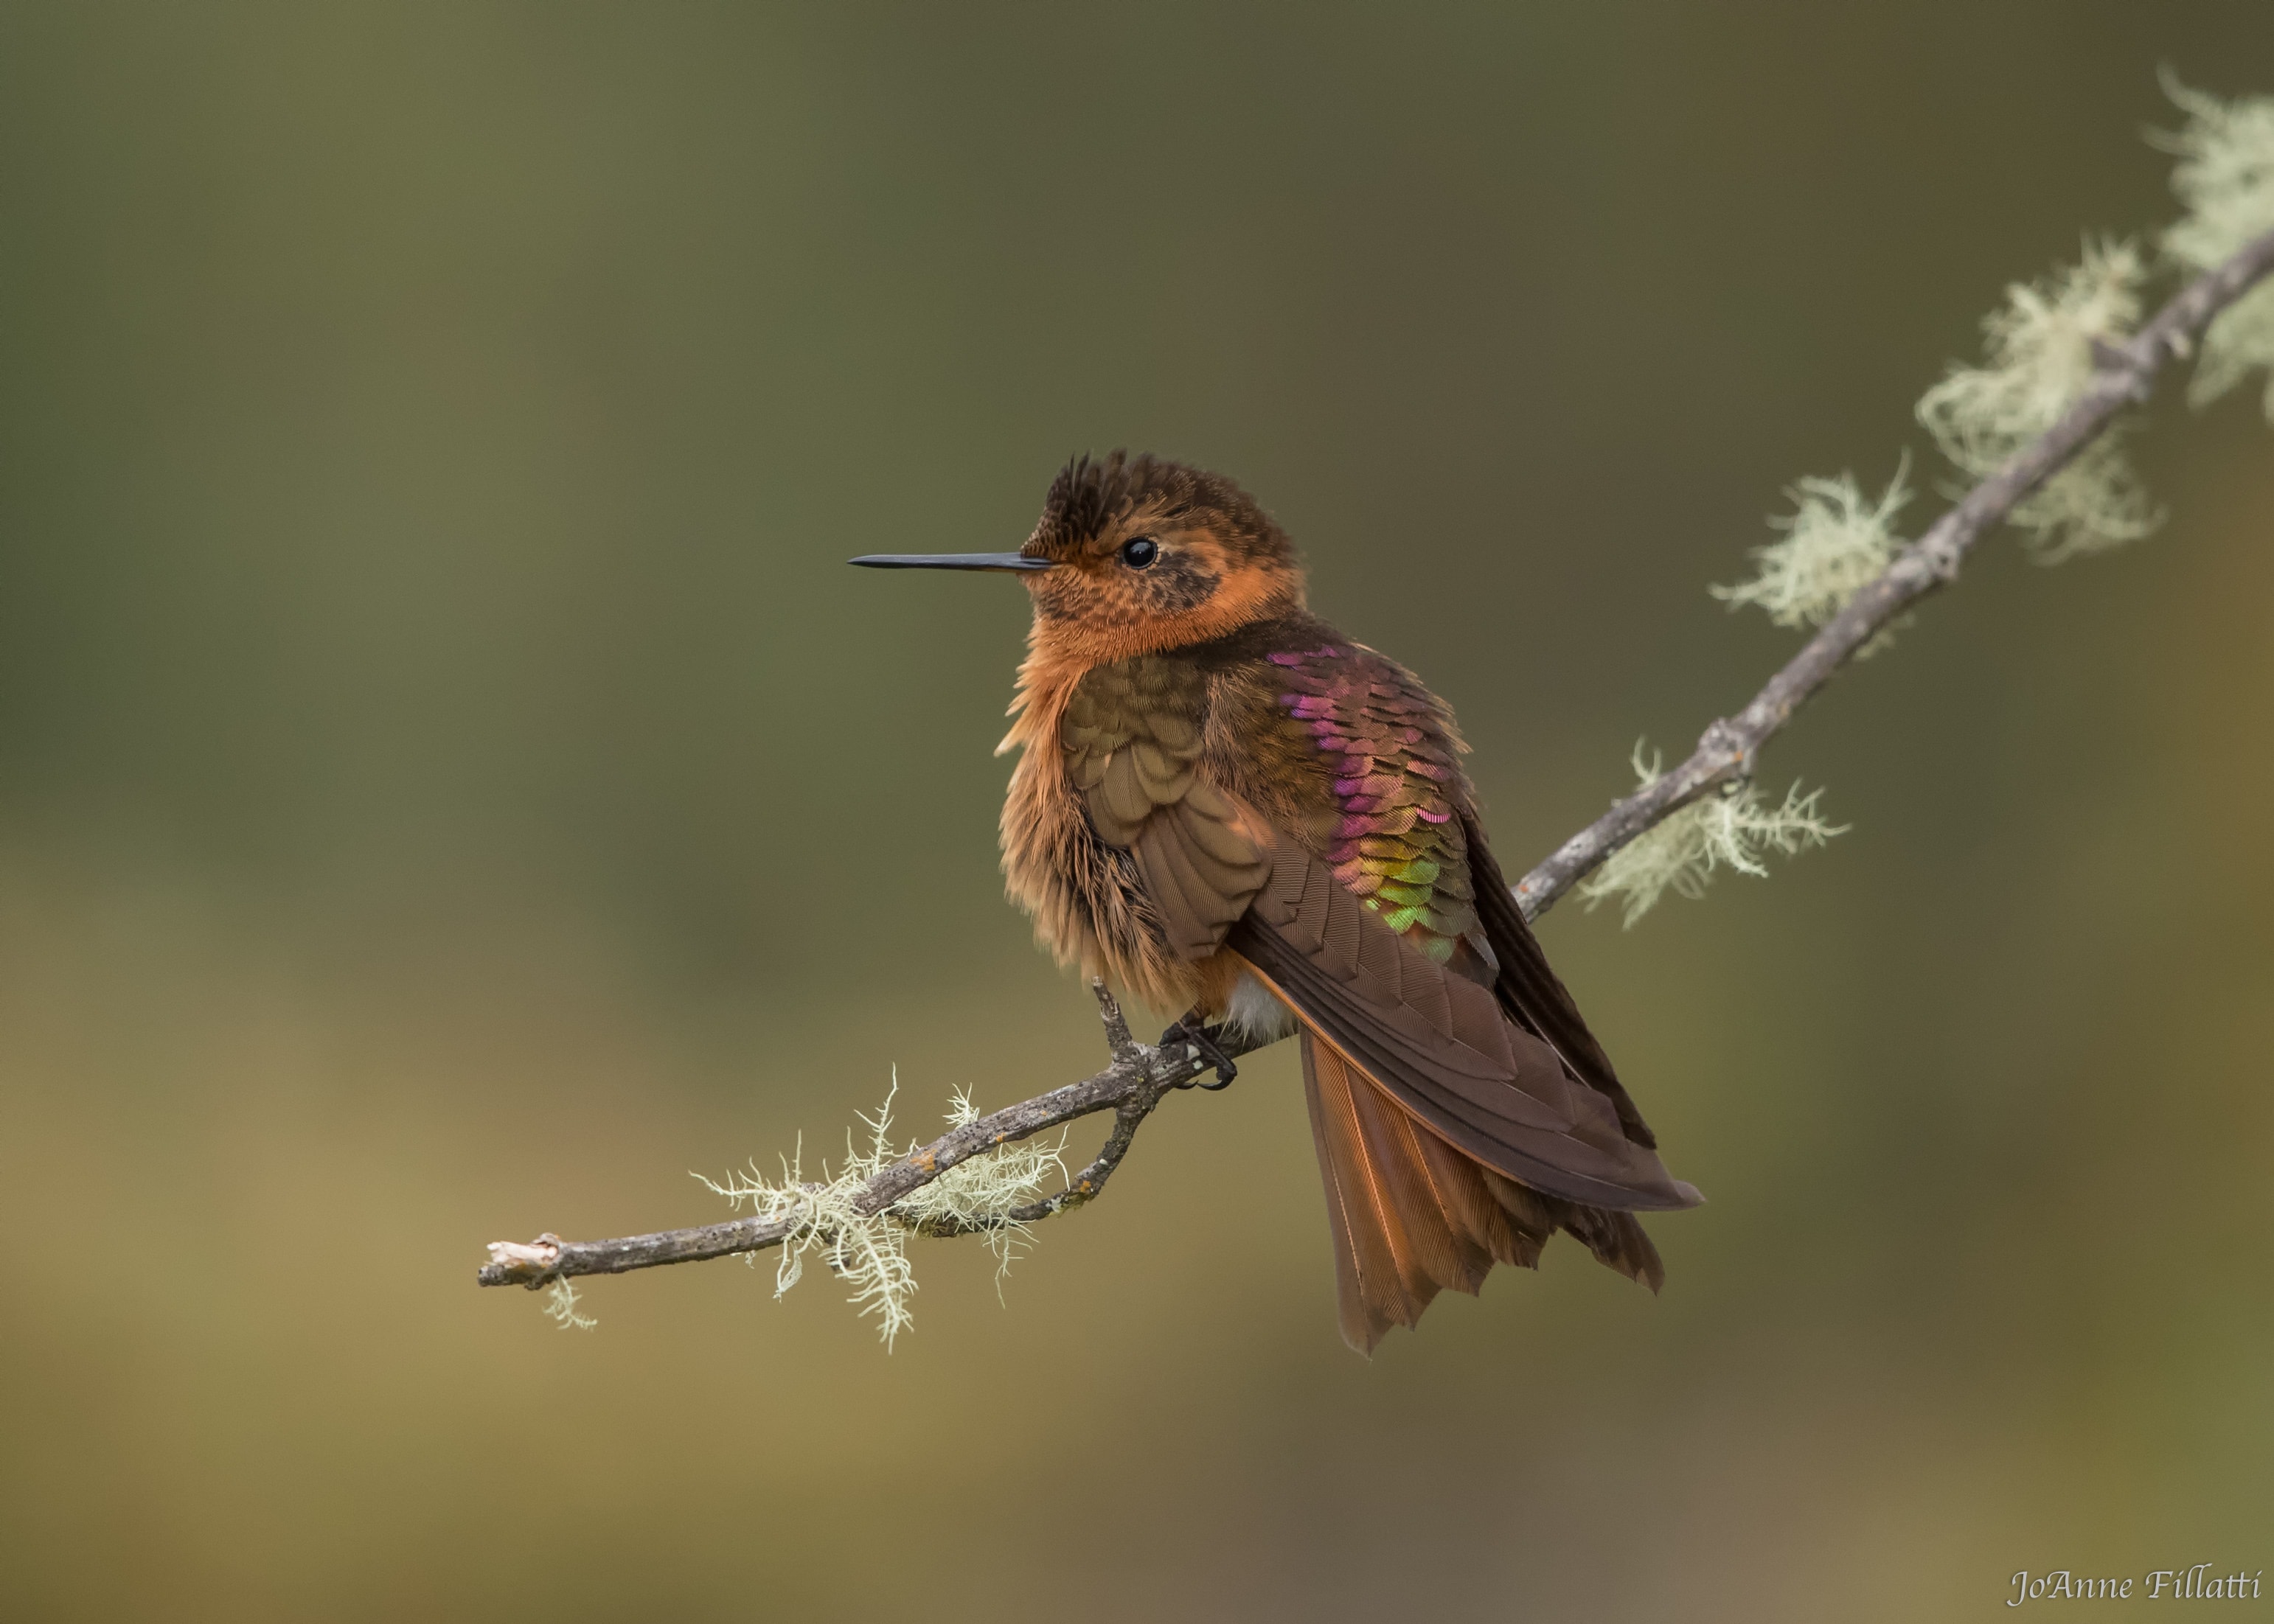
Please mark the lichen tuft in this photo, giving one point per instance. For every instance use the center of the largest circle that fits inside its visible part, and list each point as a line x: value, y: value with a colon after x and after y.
x: 560, y: 1306
x: 1682, y: 852
x: 2041, y: 359
x: 1836, y: 541
x: 2226, y: 179
x: 869, y: 1251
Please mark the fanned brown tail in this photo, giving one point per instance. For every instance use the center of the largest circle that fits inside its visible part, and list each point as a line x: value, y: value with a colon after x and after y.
x: 1412, y: 1216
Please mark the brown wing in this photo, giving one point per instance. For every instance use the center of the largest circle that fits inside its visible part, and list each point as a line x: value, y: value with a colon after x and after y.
x: 1440, y: 1044
x: 1131, y: 739
x: 1534, y: 995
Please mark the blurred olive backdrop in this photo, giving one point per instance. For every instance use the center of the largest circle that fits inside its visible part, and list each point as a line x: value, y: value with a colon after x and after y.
x: 450, y: 787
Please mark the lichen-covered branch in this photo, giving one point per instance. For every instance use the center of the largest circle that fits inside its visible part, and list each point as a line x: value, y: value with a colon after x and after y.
x: 1139, y: 1076
x: 1142, y: 1075
x: 2125, y: 376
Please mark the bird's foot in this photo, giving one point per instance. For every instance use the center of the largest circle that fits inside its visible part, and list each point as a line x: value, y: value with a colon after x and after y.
x: 1193, y: 1035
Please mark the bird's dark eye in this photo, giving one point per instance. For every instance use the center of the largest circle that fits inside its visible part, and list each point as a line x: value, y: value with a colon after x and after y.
x: 1139, y: 553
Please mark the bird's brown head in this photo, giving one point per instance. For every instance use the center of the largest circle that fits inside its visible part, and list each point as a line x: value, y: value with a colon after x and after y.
x: 1134, y: 555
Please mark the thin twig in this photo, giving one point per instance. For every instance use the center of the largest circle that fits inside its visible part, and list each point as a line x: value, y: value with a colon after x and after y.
x: 1142, y: 1075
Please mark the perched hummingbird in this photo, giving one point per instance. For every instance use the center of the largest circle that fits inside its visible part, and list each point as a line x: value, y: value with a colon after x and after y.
x: 1226, y: 805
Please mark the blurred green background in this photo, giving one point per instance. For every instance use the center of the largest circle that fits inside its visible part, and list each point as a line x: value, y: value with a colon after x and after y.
x: 450, y: 787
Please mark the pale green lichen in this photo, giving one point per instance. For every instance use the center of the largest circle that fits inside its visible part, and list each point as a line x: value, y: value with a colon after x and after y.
x: 2225, y: 177
x: 2041, y: 359
x: 560, y: 1306
x: 1682, y: 852
x: 869, y: 1251
x: 1836, y: 541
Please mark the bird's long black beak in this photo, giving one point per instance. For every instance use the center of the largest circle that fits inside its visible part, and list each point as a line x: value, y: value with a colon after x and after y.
x: 1012, y: 563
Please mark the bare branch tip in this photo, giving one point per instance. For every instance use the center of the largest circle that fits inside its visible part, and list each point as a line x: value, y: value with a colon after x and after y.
x: 517, y: 1264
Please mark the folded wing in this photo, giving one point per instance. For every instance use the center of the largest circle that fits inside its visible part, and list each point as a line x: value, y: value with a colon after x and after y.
x: 1441, y: 1045
x: 1132, y: 742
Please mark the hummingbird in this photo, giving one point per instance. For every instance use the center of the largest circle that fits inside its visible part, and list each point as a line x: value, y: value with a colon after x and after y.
x: 1223, y: 805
